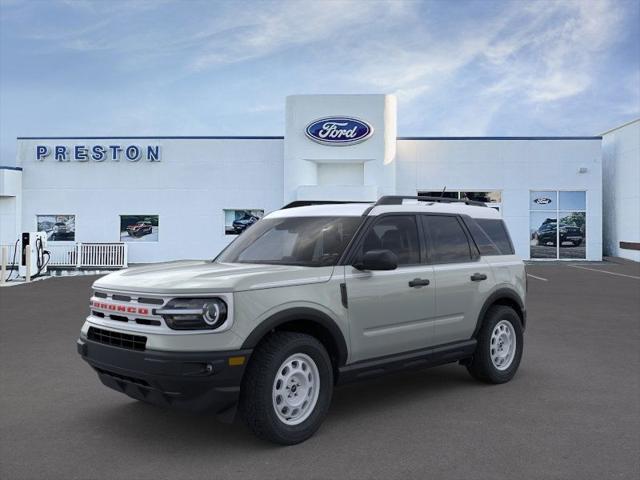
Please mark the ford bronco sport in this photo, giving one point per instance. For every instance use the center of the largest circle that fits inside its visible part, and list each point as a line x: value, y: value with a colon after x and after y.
x: 311, y: 297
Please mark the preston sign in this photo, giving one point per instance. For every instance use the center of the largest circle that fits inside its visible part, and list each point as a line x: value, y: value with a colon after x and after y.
x: 98, y: 153
x: 339, y: 130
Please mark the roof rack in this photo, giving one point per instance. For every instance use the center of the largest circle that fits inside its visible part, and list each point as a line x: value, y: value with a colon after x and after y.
x: 397, y: 200
x: 307, y: 203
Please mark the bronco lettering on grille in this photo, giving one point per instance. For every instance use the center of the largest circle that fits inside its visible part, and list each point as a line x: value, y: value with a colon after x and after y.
x: 119, y: 308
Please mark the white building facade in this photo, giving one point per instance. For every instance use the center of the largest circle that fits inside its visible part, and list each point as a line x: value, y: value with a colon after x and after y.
x: 187, y: 197
x: 621, y: 186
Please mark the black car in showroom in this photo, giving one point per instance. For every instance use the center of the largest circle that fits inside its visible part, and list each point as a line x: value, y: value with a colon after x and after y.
x: 547, y: 233
x: 242, y: 223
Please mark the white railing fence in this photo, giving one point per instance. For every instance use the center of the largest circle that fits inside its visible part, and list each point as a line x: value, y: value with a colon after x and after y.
x: 63, y: 255
x: 9, y: 250
x: 102, y: 255
x: 80, y: 255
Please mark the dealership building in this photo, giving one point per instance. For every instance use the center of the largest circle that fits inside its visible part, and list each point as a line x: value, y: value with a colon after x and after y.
x: 169, y: 197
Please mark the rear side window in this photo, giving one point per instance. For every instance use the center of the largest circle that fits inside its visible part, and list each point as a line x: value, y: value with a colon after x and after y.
x: 484, y: 243
x: 449, y: 243
x: 497, y: 232
x: 396, y: 233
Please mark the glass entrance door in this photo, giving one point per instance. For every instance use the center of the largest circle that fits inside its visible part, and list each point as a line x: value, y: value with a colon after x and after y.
x: 557, y: 224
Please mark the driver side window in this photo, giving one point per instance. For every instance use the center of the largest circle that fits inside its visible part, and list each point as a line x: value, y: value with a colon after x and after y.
x: 396, y: 233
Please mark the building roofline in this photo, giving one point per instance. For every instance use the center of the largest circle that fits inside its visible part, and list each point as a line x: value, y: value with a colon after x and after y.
x: 159, y: 137
x: 501, y: 138
x: 620, y: 126
x: 257, y: 137
x: 7, y: 167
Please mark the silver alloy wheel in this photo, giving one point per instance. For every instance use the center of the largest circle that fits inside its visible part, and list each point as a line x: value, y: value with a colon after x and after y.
x: 503, y: 345
x: 296, y: 389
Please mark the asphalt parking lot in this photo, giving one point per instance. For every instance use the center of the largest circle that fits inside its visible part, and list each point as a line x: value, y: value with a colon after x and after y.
x: 572, y: 411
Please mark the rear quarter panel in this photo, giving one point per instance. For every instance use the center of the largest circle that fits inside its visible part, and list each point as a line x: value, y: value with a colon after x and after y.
x: 509, y: 272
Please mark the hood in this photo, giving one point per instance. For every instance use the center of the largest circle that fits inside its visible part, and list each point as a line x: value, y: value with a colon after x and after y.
x: 197, y: 276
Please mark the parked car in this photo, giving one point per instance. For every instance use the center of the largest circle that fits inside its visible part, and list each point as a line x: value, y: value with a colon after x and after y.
x: 61, y: 231
x: 241, y: 224
x: 310, y: 298
x: 548, y: 234
x: 139, y: 229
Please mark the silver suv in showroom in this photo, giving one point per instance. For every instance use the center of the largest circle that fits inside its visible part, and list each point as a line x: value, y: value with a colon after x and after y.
x: 308, y: 298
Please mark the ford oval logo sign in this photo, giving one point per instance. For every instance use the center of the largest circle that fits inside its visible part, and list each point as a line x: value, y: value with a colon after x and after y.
x: 339, y: 130
x: 542, y: 200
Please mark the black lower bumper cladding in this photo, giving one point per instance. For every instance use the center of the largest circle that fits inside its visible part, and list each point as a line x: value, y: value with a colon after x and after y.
x: 194, y: 381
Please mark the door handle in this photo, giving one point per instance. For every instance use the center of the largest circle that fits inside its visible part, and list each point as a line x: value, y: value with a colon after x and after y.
x: 419, y: 282
x: 476, y: 277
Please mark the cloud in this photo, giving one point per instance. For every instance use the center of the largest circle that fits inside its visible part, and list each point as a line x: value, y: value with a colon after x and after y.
x: 201, y: 67
x: 548, y: 52
x: 285, y: 25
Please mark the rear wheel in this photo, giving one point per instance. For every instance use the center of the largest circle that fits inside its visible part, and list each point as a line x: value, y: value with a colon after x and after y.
x: 499, y: 348
x: 287, y: 388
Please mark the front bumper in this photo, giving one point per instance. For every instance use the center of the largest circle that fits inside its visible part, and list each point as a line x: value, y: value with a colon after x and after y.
x: 195, y: 381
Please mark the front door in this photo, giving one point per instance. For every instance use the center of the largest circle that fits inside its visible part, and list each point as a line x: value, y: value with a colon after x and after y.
x: 391, y: 311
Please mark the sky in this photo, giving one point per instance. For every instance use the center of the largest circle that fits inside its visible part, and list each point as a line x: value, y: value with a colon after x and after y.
x: 189, y: 67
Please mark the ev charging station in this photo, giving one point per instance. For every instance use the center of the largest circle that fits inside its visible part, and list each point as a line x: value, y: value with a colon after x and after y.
x: 34, y: 254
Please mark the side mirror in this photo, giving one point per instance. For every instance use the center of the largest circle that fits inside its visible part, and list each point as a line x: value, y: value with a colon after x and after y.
x: 378, y: 260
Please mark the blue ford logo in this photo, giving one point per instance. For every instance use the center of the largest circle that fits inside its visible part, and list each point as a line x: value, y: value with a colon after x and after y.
x: 542, y: 200
x: 339, y: 130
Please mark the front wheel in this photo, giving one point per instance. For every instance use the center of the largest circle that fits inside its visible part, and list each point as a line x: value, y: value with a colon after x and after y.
x: 499, y: 348
x: 287, y: 388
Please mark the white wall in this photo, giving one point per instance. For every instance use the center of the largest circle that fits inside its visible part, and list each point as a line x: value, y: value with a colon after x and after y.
x: 10, y: 205
x: 621, y: 184
x: 513, y: 166
x: 189, y: 188
x: 304, y: 158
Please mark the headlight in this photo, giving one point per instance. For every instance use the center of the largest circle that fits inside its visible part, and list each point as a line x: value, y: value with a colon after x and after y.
x: 194, y: 313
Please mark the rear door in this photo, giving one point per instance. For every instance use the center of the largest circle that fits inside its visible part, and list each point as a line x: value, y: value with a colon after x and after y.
x: 462, y: 278
x: 391, y: 311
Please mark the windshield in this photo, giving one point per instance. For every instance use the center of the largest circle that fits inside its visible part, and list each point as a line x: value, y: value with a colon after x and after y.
x: 306, y: 241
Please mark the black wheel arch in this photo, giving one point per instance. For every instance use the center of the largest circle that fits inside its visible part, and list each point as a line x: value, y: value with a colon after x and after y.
x: 502, y: 296
x: 304, y: 320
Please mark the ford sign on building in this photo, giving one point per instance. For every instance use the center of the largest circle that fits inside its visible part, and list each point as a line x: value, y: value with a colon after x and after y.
x: 171, y: 197
x: 339, y: 131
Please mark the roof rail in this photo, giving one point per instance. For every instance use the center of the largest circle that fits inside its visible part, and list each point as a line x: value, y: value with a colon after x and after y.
x: 397, y: 200
x: 307, y: 203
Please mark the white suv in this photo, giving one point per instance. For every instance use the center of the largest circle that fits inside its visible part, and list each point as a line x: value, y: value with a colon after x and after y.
x: 310, y: 297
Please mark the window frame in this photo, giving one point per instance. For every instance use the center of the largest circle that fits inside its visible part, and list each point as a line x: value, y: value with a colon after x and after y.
x: 558, y: 211
x: 474, y: 252
x: 459, y: 191
x: 504, y: 228
x: 60, y: 242
x: 352, y: 250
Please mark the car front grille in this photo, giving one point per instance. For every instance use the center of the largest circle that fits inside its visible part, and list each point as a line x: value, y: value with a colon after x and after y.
x: 117, y: 339
x: 132, y: 309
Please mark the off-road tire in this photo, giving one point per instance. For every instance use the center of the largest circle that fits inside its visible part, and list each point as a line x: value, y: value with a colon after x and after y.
x: 256, y: 399
x: 481, y: 366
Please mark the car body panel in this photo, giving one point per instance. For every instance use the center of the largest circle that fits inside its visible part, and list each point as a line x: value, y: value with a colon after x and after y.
x: 202, y: 277
x: 386, y: 315
x: 459, y: 299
